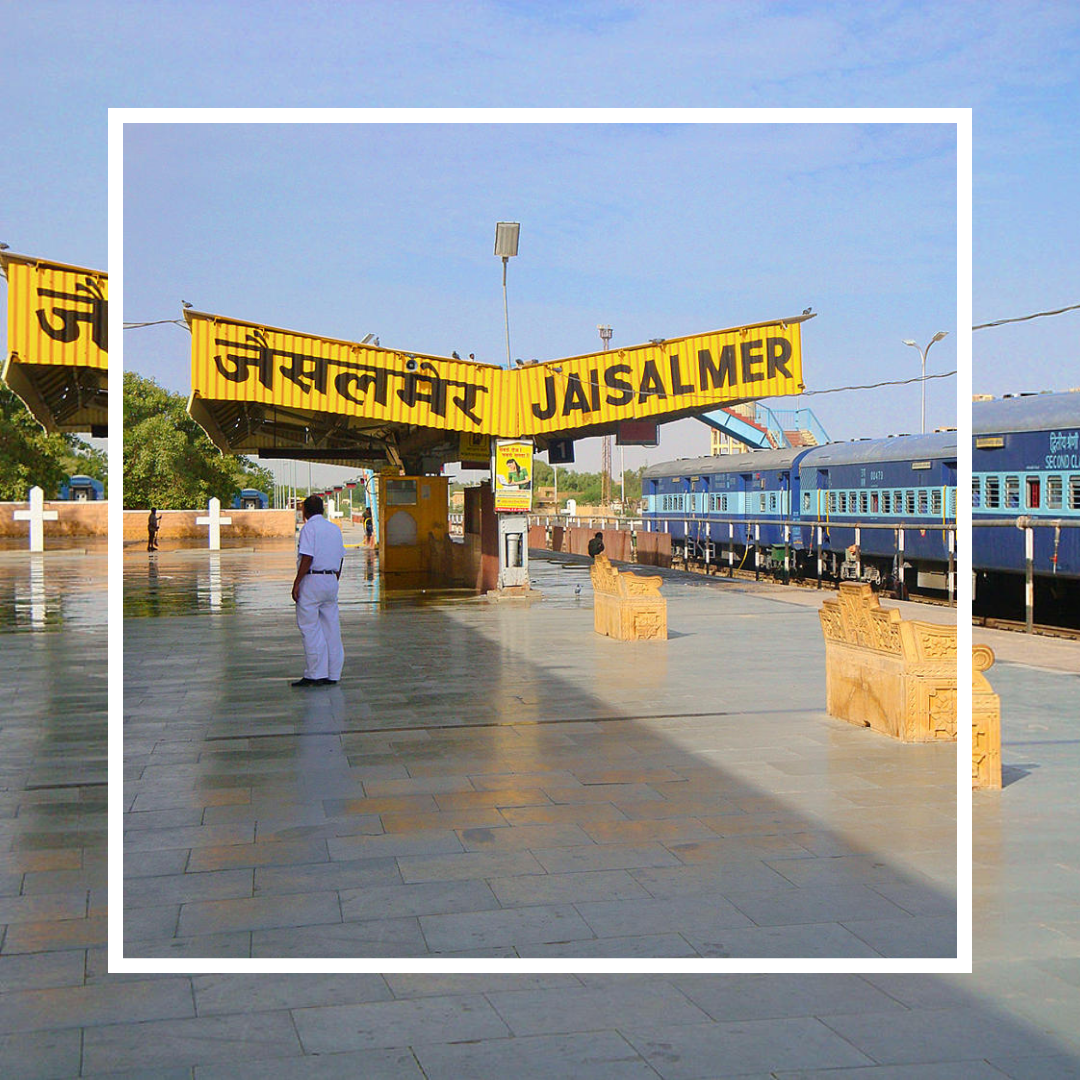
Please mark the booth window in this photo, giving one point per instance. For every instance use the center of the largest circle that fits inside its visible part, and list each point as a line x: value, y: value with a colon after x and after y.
x: 401, y: 493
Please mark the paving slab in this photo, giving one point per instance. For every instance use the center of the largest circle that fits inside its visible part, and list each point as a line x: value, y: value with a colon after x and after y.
x: 1014, y: 1017
x: 516, y: 754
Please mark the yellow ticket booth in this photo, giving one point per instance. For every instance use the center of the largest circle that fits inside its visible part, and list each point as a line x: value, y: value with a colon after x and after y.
x: 414, y: 521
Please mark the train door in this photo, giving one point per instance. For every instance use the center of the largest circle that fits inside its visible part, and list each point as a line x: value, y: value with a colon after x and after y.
x: 948, y: 481
x: 822, y: 508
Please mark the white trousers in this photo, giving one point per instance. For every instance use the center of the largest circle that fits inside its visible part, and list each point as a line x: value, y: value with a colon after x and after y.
x: 317, y: 618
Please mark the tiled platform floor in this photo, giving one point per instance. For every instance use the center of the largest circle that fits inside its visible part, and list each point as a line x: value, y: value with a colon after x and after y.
x: 62, y: 1016
x: 498, y: 780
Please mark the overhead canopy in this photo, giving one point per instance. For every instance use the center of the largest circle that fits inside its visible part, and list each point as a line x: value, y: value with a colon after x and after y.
x: 58, y: 347
x: 283, y: 394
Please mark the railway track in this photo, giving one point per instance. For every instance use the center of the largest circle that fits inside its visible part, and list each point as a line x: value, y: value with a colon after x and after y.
x: 800, y: 583
x: 990, y: 623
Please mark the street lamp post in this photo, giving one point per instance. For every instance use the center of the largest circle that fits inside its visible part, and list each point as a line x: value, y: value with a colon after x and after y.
x: 605, y: 442
x: 922, y: 352
x: 506, y: 245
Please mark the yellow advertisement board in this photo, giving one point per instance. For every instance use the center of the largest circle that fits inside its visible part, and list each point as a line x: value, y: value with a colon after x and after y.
x: 241, y: 362
x: 513, y: 475
x: 57, y: 314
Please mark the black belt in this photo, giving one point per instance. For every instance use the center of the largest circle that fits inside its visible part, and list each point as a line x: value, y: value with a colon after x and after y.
x: 322, y: 571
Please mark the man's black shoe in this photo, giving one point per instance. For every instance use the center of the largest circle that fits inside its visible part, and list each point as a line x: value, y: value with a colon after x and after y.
x: 306, y: 682
x: 328, y: 682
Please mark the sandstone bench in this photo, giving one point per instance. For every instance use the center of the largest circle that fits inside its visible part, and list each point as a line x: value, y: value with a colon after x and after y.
x: 985, y: 722
x: 627, y: 607
x: 899, y: 677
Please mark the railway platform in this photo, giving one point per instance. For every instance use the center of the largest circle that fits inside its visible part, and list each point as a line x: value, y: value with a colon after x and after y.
x: 62, y: 1014
x: 507, y: 783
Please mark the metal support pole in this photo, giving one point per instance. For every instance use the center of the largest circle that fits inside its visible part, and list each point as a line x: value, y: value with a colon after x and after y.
x: 731, y: 550
x: 900, y: 559
x: 506, y: 312
x: 787, y: 554
x: 1029, y: 584
x: 858, y: 553
x: 952, y: 566
x: 819, y: 556
x: 757, y: 552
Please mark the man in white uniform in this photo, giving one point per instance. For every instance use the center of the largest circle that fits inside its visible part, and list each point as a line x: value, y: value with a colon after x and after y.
x: 315, y: 591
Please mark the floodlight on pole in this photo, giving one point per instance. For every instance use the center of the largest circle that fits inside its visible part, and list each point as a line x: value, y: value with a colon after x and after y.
x: 506, y: 246
x: 922, y: 352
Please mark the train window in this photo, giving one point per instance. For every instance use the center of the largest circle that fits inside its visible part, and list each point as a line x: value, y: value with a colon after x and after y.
x: 1074, y: 492
x: 806, y: 502
x: 843, y: 501
x: 909, y: 502
x: 935, y: 501
x: 864, y: 502
x: 772, y: 502
x: 1053, y: 493
x: 1012, y: 492
x: 976, y: 493
x: 1033, y: 492
x: 993, y: 492
x: 898, y: 502
x: 831, y: 502
x: 924, y: 501
x: 886, y: 502
x: 873, y: 502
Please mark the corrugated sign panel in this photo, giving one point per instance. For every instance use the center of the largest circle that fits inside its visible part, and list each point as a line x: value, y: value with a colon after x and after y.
x: 232, y: 361
x: 57, y: 314
x: 241, y: 362
x: 703, y: 370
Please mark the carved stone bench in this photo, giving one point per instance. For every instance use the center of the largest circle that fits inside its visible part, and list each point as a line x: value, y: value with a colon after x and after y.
x: 627, y: 607
x: 985, y: 722
x: 886, y: 673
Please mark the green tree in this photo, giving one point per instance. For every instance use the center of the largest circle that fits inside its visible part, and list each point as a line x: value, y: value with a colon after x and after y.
x: 29, y: 457
x: 169, y: 463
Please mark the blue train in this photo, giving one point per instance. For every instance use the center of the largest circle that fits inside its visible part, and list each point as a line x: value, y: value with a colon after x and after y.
x: 882, y: 511
x: 1025, y: 465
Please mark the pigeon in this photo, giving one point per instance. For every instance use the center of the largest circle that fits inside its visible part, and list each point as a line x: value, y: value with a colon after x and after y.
x: 577, y: 590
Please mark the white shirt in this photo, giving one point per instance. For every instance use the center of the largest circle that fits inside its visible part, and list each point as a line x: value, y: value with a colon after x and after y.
x: 322, y: 540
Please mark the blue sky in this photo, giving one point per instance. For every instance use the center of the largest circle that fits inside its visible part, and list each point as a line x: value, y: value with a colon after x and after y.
x: 862, y: 216
x: 657, y: 230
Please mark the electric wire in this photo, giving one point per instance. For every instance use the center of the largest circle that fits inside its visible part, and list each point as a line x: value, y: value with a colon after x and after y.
x: 1026, y: 318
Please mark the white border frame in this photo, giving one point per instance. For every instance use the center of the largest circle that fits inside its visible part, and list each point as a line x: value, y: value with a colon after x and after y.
x: 961, y: 118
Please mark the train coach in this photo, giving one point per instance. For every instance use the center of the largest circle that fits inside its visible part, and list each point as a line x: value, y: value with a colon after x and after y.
x: 881, y: 511
x: 1025, y: 502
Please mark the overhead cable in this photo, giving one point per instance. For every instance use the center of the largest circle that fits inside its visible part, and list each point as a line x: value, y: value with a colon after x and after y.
x: 1025, y: 318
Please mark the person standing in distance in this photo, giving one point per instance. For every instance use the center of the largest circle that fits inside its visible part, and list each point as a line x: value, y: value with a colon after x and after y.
x: 315, y: 591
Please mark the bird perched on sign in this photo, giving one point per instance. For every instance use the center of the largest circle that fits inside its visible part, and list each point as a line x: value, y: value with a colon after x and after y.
x: 806, y: 311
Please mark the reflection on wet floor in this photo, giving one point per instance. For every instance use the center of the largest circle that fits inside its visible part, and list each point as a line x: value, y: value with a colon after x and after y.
x: 195, y: 581
x: 52, y: 590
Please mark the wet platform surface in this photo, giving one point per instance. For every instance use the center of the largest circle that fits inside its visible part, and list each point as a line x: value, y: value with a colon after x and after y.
x: 62, y: 1015
x: 508, y: 783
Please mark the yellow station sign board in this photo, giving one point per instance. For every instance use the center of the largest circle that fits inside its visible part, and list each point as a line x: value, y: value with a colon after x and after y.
x: 696, y: 372
x: 57, y: 314
x: 242, y: 362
